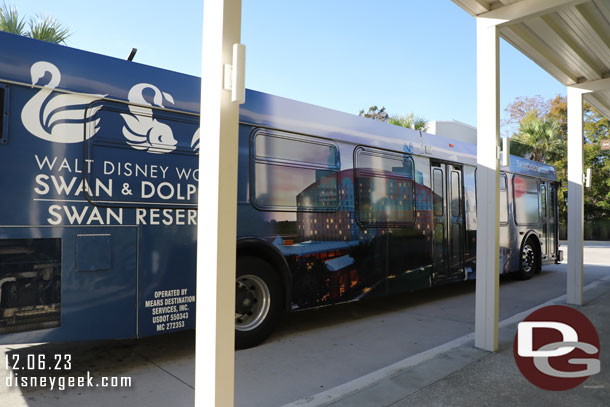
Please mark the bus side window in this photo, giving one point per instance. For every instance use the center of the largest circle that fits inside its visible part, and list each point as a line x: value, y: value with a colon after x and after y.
x: 385, y: 188
x: 527, y: 202
x: 553, y: 200
x: 4, y: 93
x: 455, y: 193
x: 543, y: 200
x: 438, y: 194
x: 156, y: 145
x: 470, y: 197
x: 294, y: 173
x: 503, y: 199
x: 2, y: 113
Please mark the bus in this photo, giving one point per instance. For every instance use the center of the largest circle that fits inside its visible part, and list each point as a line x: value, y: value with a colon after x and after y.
x: 99, y: 178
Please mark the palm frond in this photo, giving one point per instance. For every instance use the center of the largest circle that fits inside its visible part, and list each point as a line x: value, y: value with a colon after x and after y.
x: 419, y: 123
x: 10, y: 21
x: 402, y: 120
x: 47, y: 29
x: 540, y: 136
x: 409, y: 121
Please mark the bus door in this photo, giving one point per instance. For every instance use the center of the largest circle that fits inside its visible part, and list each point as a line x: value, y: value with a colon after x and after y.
x: 547, y: 215
x: 439, y: 212
x: 448, y: 214
x: 543, y: 218
x: 552, y: 219
x: 455, y: 203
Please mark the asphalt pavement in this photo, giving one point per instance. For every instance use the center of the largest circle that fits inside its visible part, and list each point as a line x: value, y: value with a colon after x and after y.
x: 413, y: 349
x: 334, y: 350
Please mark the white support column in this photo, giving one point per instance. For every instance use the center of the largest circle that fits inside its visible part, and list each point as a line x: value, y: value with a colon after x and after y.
x: 576, y: 210
x: 488, y: 185
x: 217, y: 215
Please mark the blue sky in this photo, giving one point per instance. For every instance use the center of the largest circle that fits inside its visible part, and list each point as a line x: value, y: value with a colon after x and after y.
x: 347, y: 55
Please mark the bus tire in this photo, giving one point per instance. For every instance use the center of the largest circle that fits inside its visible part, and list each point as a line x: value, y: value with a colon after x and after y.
x: 529, y: 262
x: 258, y: 301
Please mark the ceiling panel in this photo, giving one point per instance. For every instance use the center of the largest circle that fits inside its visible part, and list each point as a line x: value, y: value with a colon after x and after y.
x: 572, y: 42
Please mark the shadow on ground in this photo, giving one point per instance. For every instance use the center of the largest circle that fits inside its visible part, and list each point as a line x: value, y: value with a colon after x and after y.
x: 323, y: 317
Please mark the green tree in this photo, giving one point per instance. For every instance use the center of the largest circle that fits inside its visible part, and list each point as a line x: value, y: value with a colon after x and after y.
x: 597, y: 198
x: 542, y: 135
x: 43, y: 28
x: 409, y: 121
x: 375, y: 113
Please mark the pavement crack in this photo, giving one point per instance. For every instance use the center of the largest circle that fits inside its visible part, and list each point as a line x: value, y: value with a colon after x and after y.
x: 165, y: 370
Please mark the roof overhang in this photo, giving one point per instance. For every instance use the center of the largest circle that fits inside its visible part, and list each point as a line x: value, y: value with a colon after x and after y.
x: 569, y: 39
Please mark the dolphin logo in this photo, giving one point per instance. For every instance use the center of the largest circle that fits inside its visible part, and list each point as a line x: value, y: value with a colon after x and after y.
x: 141, y: 130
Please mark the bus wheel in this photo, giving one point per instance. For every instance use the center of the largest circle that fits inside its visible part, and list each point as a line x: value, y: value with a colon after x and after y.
x: 258, y: 301
x: 530, y: 260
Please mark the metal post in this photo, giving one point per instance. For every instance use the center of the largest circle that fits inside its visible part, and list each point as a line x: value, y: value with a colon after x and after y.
x: 217, y: 215
x: 488, y: 185
x: 576, y: 210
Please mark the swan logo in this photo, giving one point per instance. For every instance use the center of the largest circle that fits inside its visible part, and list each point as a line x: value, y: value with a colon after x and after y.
x: 142, y: 131
x: 58, y: 118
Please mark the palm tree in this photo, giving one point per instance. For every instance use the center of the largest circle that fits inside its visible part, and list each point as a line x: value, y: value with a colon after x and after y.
x: 409, y: 121
x: 42, y: 28
x: 540, y: 137
x: 10, y: 21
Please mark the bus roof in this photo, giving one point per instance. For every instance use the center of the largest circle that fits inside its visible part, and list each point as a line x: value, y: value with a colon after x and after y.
x: 519, y: 165
x: 88, y: 72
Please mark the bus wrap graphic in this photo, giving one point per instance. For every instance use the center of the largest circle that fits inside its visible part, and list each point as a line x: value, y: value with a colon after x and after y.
x: 57, y: 118
x: 557, y: 348
x: 100, y: 160
x: 142, y: 131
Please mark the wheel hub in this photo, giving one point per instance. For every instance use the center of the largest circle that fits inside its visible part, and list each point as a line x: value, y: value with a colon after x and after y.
x: 528, y: 258
x: 252, y: 302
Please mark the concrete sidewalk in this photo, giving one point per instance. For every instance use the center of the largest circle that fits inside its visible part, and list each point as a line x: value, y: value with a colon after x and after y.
x: 460, y: 375
x: 160, y: 369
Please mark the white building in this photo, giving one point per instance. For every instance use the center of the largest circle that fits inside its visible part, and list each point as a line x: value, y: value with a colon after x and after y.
x: 453, y: 129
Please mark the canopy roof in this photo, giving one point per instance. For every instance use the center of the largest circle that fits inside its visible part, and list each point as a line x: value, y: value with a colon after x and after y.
x: 570, y: 39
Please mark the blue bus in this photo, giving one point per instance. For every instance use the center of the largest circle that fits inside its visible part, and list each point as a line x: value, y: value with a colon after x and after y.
x: 98, y: 214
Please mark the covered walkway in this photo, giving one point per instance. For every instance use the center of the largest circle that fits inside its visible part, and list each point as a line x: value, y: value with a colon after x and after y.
x: 570, y: 39
x: 466, y: 376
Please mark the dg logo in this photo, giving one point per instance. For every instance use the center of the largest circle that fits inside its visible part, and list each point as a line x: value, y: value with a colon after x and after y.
x: 556, y: 348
